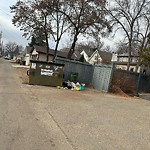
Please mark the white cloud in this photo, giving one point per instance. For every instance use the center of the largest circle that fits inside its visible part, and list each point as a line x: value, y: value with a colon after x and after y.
x: 10, y: 32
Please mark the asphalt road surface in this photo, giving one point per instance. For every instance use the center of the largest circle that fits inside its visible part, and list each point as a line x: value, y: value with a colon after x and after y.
x: 20, y: 129
x: 46, y: 118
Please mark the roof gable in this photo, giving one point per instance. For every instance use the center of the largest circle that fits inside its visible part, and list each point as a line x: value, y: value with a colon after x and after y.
x: 93, y: 54
x: 89, y: 52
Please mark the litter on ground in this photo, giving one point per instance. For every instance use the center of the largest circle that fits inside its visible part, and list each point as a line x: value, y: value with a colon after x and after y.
x: 73, y: 86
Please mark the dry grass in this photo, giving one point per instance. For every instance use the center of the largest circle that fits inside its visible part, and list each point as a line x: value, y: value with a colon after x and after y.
x: 123, y: 84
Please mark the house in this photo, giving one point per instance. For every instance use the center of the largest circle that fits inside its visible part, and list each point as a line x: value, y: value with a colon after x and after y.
x: 90, y: 56
x: 40, y: 53
x: 28, y: 50
x: 76, y: 55
x: 87, y: 54
x: 106, y: 57
x: 121, y: 61
x: 96, y: 56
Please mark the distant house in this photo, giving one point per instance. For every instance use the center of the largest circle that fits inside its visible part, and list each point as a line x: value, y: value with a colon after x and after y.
x: 96, y: 57
x: 76, y: 55
x: 106, y: 57
x: 40, y: 53
x: 28, y: 50
x: 87, y: 54
x: 121, y: 62
x: 90, y: 56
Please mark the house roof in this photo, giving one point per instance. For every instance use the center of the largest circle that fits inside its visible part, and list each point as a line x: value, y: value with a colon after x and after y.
x: 28, y: 49
x: 43, y: 50
x: 89, y: 52
x: 62, y: 54
x: 76, y: 55
x: 106, y: 56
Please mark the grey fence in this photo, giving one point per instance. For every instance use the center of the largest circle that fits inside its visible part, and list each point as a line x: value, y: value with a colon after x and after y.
x: 84, y: 70
x: 102, y: 77
x: 97, y: 75
x: 144, y: 83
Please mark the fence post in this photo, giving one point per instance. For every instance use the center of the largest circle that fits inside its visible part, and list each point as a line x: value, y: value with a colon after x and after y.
x: 138, y: 85
x: 111, y: 76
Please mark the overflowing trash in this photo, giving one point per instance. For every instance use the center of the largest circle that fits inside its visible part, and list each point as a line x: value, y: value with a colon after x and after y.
x: 73, y: 86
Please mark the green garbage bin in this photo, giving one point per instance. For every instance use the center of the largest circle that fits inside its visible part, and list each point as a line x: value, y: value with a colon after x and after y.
x: 46, y: 73
x: 74, y: 77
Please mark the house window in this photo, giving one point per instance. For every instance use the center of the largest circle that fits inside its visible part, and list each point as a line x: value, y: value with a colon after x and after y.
x: 134, y: 59
x: 96, y: 57
x: 35, y: 57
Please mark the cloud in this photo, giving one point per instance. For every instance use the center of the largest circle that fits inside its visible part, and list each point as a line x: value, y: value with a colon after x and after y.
x: 10, y: 32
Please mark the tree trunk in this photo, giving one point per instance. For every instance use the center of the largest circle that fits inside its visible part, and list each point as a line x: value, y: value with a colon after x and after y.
x: 129, y: 57
x: 56, y: 49
x: 57, y: 43
x: 72, y: 49
x: 47, y: 47
x: 46, y: 38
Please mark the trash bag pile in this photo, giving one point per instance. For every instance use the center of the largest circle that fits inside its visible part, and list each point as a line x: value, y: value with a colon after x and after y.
x: 74, y: 86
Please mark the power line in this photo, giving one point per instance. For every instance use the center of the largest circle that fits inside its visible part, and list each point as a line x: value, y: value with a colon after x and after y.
x: 5, y: 13
x: 10, y: 36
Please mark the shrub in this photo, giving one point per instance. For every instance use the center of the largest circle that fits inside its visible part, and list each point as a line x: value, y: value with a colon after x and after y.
x: 123, y: 82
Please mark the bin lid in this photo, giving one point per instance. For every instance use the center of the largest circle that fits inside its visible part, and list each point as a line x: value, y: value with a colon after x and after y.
x: 45, y: 62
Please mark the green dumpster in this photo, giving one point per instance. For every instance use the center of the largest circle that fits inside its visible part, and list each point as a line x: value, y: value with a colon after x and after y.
x: 46, y: 73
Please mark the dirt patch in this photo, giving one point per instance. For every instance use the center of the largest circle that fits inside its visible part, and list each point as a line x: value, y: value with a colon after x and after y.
x: 123, y: 84
x: 23, y: 75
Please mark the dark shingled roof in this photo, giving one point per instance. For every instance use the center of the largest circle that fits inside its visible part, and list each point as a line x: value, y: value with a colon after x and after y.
x: 76, y: 55
x: 106, y: 56
x: 89, y: 52
x: 62, y: 54
x: 29, y: 49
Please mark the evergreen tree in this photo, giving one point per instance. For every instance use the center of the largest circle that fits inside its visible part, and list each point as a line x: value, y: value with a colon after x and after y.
x: 145, y: 54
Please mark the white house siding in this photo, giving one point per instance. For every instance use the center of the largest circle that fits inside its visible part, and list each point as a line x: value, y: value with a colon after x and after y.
x: 95, y: 59
x: 34, y: 52
x: 114, y: 57
x: 122, y: 59
x: 124, y: 67
x: 27, y: 59
x: 85, y: 56
x: 43, y: 57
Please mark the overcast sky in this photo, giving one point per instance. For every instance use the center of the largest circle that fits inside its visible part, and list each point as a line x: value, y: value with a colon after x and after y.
x: 10, y: 33
x: 13, y: 34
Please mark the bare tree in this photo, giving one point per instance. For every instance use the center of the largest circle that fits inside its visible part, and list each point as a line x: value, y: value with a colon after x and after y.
x: 40, y: 19
x: 12, y: 49
x: 97, y: 40
x: 84, y: 17
x: 33, y: 17
x: 130, y: 16
x: 59, y: 21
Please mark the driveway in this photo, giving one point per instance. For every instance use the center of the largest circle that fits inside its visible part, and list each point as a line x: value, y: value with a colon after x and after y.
x: 48, y: 118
